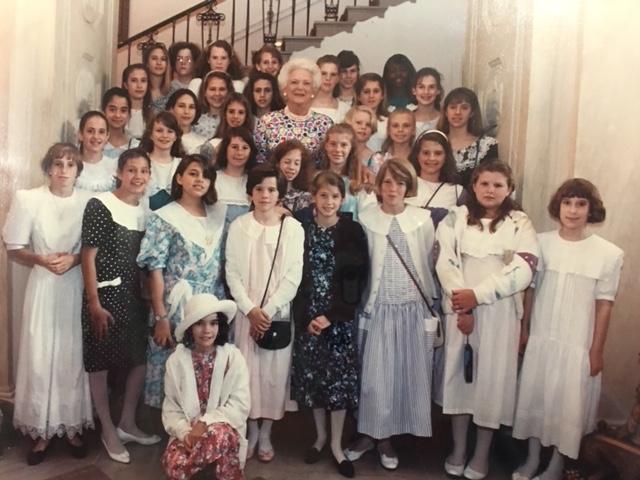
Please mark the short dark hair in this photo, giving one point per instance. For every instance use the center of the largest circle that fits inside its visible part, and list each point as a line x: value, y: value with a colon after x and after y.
x: 129, y: 155
x: 168, y: 120
x: 266, y: 48
x: 175, y: 49
x: 365, y: 78
x: 580, y: 188
x: 60, y: 150
x: 346, y: 59
x: 430, y: 72
x: 222, y: 337
x: 328, y: 178
x: 173, y: 99
x: 115, y: 92
x: 259, y: 173
x: 301, y: 182
x: 448, y: 172
x: 462, y: 95
x: 244, y: 134
x: 211, y: 196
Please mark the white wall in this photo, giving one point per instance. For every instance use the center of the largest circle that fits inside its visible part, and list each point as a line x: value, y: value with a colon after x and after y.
x: 429, y: 32
x: 563, y: 78
x: 58, y: 60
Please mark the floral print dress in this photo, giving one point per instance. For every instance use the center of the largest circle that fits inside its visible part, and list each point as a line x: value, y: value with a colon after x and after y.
x: 187, y: 268
x: 219, y: 444
x: 324, y: 366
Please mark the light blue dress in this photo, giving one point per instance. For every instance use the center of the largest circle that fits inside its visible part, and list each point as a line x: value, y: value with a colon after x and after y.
x: 189, y: 250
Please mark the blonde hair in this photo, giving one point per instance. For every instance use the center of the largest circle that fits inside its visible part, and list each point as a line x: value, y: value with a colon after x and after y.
x: 373, y: 120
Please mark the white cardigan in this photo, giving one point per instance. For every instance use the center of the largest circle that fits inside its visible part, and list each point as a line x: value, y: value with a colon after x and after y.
x: 417, y: 225
x: 229, y: 397
x: 242, y: 235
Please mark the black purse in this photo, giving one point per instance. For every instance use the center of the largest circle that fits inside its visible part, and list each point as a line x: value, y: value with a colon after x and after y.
x: 468, y: 362
x: 279, y: 334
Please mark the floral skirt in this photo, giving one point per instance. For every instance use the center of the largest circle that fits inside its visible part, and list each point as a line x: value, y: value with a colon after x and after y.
x: 219, y: 444
x: 325, y: 368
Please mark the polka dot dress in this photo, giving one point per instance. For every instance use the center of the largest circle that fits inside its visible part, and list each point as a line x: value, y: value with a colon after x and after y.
x: 118, y: 286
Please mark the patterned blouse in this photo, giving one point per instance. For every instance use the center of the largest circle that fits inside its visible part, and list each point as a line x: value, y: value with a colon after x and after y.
x: 203, y: 368
x: 276, y: 127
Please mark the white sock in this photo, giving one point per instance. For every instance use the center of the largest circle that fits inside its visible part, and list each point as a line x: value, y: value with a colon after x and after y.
x: 480, y: 460
x: 337, y: 425
x: 252, y: 434
x: 530, y: 466
x: 459, y: 428
x: 264, y: 437
x: 320, y: 419
x: 555, y: 468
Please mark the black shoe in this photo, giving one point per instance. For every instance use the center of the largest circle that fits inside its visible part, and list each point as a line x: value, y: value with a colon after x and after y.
x: 345, y: 468
x: 34, y: 458
x: 312, y: 455
x: 77, y: 451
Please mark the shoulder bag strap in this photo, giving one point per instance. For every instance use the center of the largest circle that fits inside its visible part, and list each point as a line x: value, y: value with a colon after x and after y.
x: 273, y: 263
x: 433, y: 195
x: 413, y: 278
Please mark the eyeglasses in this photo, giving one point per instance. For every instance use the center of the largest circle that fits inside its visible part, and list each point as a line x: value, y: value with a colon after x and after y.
x: 184, y: 59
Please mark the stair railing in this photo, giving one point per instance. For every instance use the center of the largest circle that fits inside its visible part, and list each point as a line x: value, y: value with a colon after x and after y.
x: 209, y: 19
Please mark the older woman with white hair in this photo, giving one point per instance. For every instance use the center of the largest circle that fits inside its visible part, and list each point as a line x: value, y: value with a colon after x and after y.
x: 299, y: 81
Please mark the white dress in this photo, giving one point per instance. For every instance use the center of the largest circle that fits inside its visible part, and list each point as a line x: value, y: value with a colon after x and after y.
x: 52, y: 388
x: 498, y: 267
x: 191, y: 142
x: 98, y: 177
x: 250, y: 249
x: 558, y: 399
x: 445, y: 196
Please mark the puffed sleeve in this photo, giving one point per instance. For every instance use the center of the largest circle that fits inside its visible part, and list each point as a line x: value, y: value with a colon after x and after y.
x: 607, y: 285
x: 17, y: 228
x: 448, y: 265
x: 236, y: 256
x: 235, y: 409
x: 292, y: 268
x: 154, y: 248
x: 174, y: 419
x: 518, y: 273
x: 96, y: 222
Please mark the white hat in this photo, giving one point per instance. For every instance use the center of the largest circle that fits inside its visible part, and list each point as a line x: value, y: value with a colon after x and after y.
x: 201, y: 305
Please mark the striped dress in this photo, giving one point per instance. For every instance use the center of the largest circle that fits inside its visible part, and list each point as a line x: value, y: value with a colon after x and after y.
x: 396, y: 353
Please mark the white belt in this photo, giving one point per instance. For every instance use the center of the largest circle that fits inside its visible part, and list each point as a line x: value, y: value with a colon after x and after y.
x: 110, y: 283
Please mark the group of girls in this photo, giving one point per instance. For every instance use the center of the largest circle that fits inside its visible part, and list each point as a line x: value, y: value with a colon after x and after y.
x: 341, y: 260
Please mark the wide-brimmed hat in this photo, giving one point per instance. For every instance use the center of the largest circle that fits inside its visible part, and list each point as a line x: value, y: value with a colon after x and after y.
x: 201, y: 305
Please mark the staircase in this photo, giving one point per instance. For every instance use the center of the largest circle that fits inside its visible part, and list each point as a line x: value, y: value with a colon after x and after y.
x: 323, y: 29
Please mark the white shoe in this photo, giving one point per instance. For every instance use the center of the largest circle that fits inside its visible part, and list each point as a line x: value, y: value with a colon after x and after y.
x: 388, y: 463
x: 453, y: 470
x: 127, y: 437
x: 471, y: 474
x: 117, y: 457
x: 518, y: 476
x: 353, y: 455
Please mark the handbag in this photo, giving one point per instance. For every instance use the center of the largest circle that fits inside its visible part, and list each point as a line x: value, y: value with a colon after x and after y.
x: 467, y: 361
x: 439, y: 338
x: 278, y: 336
